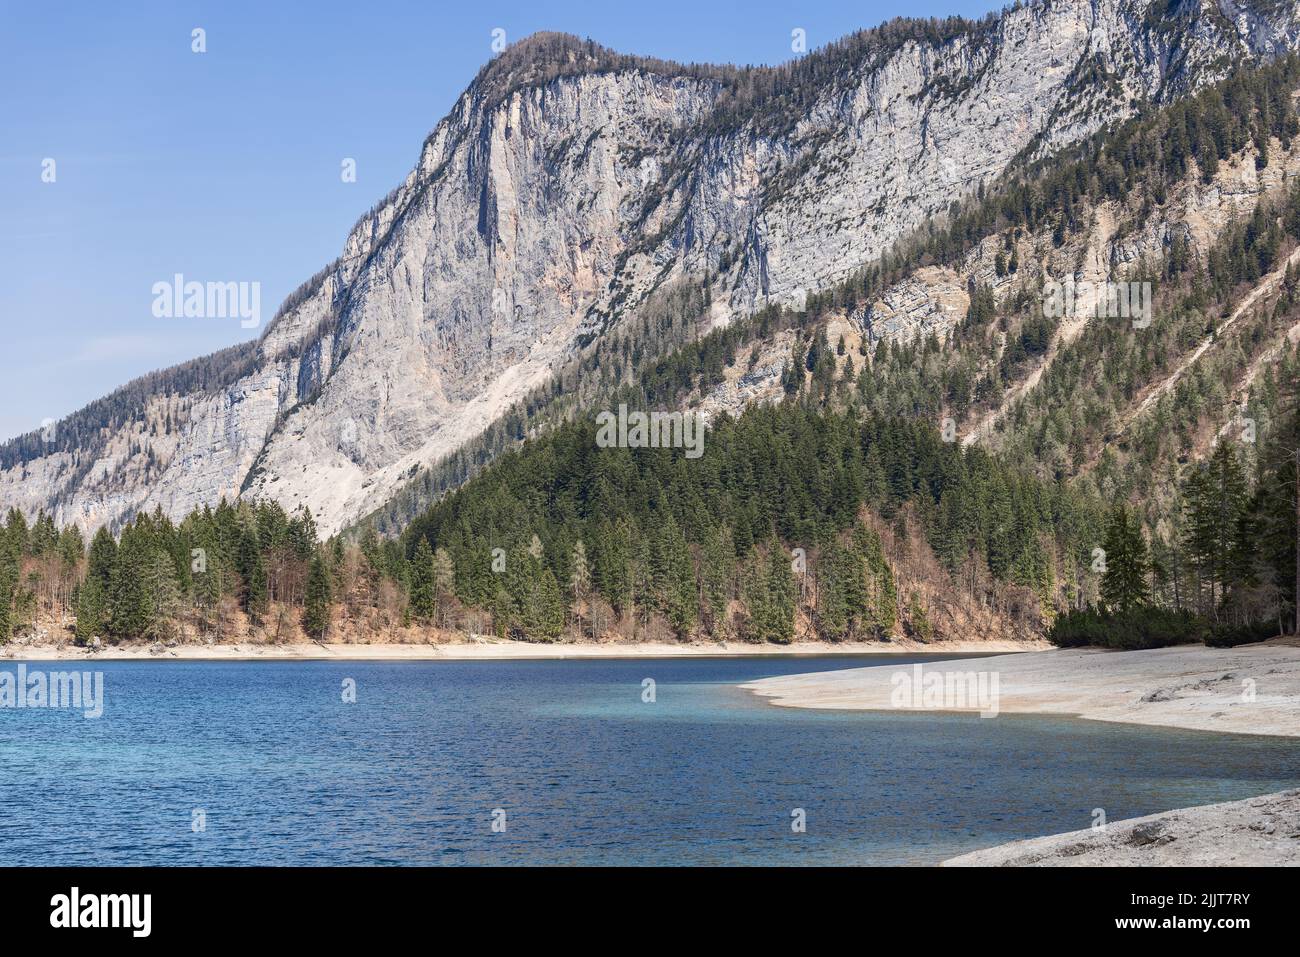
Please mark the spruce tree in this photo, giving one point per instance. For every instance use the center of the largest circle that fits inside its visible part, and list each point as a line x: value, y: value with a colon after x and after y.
x: 130, y: 606
x: 91, y: 609
x: 103, y: 553
x: 781, y: 595
x: 316, y: 610
x: 680, y: 596
x: 1124, y: 583
x: 424, y: 596
x: 10, y: 565
x: 717, y: 569
x: 252, y: 571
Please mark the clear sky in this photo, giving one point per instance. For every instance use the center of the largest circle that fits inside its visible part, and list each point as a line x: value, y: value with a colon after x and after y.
x: 225, y: 165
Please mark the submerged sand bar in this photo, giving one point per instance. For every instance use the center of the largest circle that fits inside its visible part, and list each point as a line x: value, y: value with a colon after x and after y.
x: 1252, y: 689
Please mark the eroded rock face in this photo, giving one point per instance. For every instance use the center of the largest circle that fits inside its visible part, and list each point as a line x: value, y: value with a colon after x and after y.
x: 540, y: 213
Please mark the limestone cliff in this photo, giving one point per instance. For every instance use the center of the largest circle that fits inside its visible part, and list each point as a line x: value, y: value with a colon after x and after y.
x: 566, y: 186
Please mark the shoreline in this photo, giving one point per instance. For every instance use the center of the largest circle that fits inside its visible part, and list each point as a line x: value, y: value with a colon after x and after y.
x: 1183, y: 687
x: 504, y: 651
x: 1251, y: 689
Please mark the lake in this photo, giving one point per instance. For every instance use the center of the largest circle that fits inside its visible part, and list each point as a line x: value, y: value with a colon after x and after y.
x: 265, y: 763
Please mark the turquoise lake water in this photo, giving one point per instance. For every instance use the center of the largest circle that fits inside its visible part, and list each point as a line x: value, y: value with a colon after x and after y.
x: 280, y: 770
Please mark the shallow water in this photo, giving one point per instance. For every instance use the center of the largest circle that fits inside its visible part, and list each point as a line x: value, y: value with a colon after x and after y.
x: 285, y: 772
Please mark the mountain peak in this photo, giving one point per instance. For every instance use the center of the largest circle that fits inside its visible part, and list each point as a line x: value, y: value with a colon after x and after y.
x: 574, y: 220
x: 541, y: 57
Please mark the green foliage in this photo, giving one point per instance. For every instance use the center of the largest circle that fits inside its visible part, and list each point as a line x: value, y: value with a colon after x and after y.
x: 10, y: 569
x: 1215, y: 500
x: 770, y: 592
x: 1124, y: 583
x: 252, y: 570
x: 855, y: 590
x: 1140, y: 627
x: 424, y: 593
x: 131, y: 602
x: 662, y: 535
x: 91, y: 609
x: 920, y: 628
x: 529, y: 604
x: 1230, y: 636
x: 316, y: 610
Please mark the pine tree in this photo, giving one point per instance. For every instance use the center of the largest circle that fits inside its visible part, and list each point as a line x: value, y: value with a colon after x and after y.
x: 316, y: 611
x: 252, y: 571
x: 163, y: 594
x: 130, y: 602
x: 424, y: 596
x: 680, y: 601
x: 543, y: 617
x: 1124, y: 583
x: 612, y: 550
x: 17, y: 530
x: 302, y: 534
x: 882, y: 593
x: 782, y: 592
x: 1216, y: 498
x: 71, y: 547
x: 10, y: 565
x: 103, y: 554
x: 717, y: 570
x: 757, y: 601
x: 92, y: 609
x: 836, y: 584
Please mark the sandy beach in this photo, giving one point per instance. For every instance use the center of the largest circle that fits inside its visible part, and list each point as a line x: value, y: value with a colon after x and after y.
x: 489, y: 649
x: 1253, y: 689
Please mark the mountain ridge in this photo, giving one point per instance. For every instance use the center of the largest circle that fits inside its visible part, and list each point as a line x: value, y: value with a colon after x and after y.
x: 400, y: 352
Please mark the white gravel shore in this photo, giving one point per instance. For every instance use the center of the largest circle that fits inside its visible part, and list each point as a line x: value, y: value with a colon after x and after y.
x: 1252, y: 689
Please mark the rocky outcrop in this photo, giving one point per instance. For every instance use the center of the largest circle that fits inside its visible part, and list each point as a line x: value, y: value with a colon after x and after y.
x: 569, y: 183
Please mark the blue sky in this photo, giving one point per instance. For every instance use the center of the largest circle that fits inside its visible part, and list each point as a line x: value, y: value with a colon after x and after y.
x: 225, y: 165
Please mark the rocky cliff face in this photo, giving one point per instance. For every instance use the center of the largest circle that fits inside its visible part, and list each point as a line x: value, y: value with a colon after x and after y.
x: 570, y: 183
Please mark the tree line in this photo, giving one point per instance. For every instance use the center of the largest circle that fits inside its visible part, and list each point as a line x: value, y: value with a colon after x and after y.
x: 775, y: 531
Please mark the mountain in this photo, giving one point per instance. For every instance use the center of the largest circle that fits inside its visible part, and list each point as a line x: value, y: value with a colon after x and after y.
x: 573, y: 190
x: 849, y: 508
